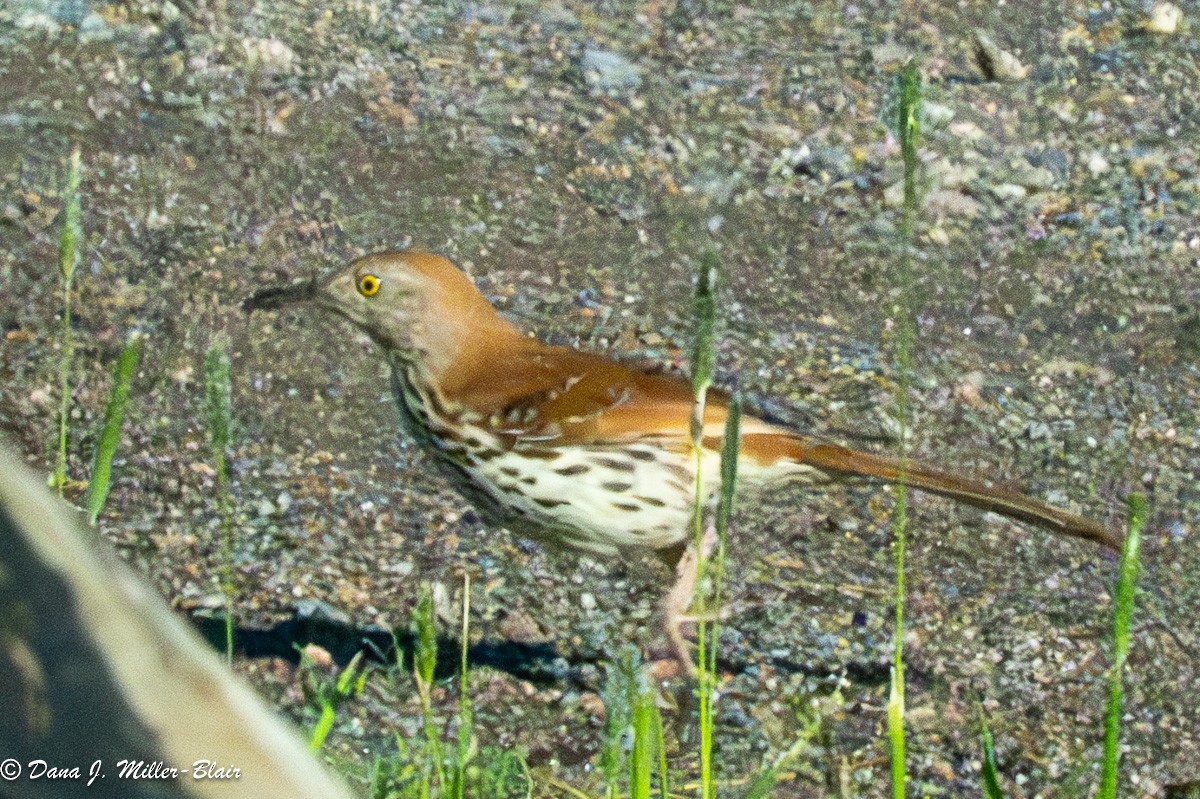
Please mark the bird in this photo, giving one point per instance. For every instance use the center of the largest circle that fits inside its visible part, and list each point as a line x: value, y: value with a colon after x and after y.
x: 576, y: 447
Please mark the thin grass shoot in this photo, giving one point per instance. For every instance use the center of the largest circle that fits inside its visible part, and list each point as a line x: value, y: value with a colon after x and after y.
x: 704, y: 361
x: 991, y: 774
x: 466, y: 719
x: 424, y: 665
x: 1122, y: 623
x: 909, y: 130
x: 219, y: 404
x: 645, y: 737
x: 110, y: 435
x: 349, y: 683
x: 618, y: 718
x: 70, y: 242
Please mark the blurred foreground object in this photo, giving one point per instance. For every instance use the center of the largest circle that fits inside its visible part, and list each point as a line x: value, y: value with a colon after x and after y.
x: 101, y: 683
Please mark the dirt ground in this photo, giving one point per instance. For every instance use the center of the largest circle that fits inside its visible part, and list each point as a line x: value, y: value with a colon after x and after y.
x: 576, y: 158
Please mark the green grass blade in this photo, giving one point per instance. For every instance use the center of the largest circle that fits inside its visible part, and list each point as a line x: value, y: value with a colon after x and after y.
x: 991, y: 775
x: 70, y: 241
x: 1122, y: 621
x: 424, y: 666
x: 664, y: 780
x: 909, y: 133
x: 730, y: 447
x: 219, y: 403
x: 349, y: 683
x: 707, y: 666
x: 764, y: 781
x: 110, y: 436
x: 910, y: 137
x: 704, y: 357
x: 425, y: 654
x: 218, y: 394
x: 618, y: 715
x: 763, y: 784
x: 645, y: 740
x: 503, y: 773
x: 895, y: 728
x: 704, y: 361
x: 466, y: 719
x: 320, y: 730
x: 528, y: 777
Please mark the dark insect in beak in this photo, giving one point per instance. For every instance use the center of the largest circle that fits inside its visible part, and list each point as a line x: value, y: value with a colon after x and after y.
x: 274, y: 297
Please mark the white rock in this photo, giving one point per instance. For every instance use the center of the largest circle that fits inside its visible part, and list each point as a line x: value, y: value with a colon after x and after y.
x: 270, y: 54
x: 997, y: 64
x: 156, y: 220
x: 1097, y: 164
x: 966, y: 130
x: 610, y: 71
x: 893, y: 195
x: 1009, y: 191
x: 936, y: 115
x: 1164, y: 18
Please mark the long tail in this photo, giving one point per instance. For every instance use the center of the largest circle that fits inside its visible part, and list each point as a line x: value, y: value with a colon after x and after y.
x: 841, y: 461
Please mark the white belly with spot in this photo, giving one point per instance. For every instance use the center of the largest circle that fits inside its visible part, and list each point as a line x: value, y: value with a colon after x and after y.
x: 596, y: 499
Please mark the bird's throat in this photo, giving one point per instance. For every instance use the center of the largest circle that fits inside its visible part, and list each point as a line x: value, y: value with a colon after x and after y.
x: 418, y: 401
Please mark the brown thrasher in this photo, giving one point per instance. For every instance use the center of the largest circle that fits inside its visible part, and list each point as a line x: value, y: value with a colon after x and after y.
x: 573, y: 446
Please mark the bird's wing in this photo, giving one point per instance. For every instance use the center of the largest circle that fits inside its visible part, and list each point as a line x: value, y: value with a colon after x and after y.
x: 559, y: 396
x: 546, y: 393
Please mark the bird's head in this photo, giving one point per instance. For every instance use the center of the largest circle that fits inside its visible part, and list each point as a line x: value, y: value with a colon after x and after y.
x: 416, y: 305
x: 419, y: 307
x: 389, y: 296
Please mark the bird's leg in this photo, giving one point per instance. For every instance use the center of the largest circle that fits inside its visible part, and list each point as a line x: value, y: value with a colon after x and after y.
x: 677, y: 602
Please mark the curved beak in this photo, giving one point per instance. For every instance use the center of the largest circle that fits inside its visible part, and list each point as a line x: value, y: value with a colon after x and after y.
x: 274, y: 297
x: 329, y: 296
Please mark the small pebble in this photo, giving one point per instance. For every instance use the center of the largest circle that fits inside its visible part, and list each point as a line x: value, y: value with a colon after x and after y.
x: 1097, y: 164
x: 996, y: 64
x: 1164, y: 18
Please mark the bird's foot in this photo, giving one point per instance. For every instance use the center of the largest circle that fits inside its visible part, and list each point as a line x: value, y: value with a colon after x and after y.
x: 677, y: 607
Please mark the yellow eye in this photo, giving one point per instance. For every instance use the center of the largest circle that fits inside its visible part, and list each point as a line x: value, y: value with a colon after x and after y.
x: 368, y: 285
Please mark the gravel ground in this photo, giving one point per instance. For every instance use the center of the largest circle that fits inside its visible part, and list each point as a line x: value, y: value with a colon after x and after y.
x: 576, y: 158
